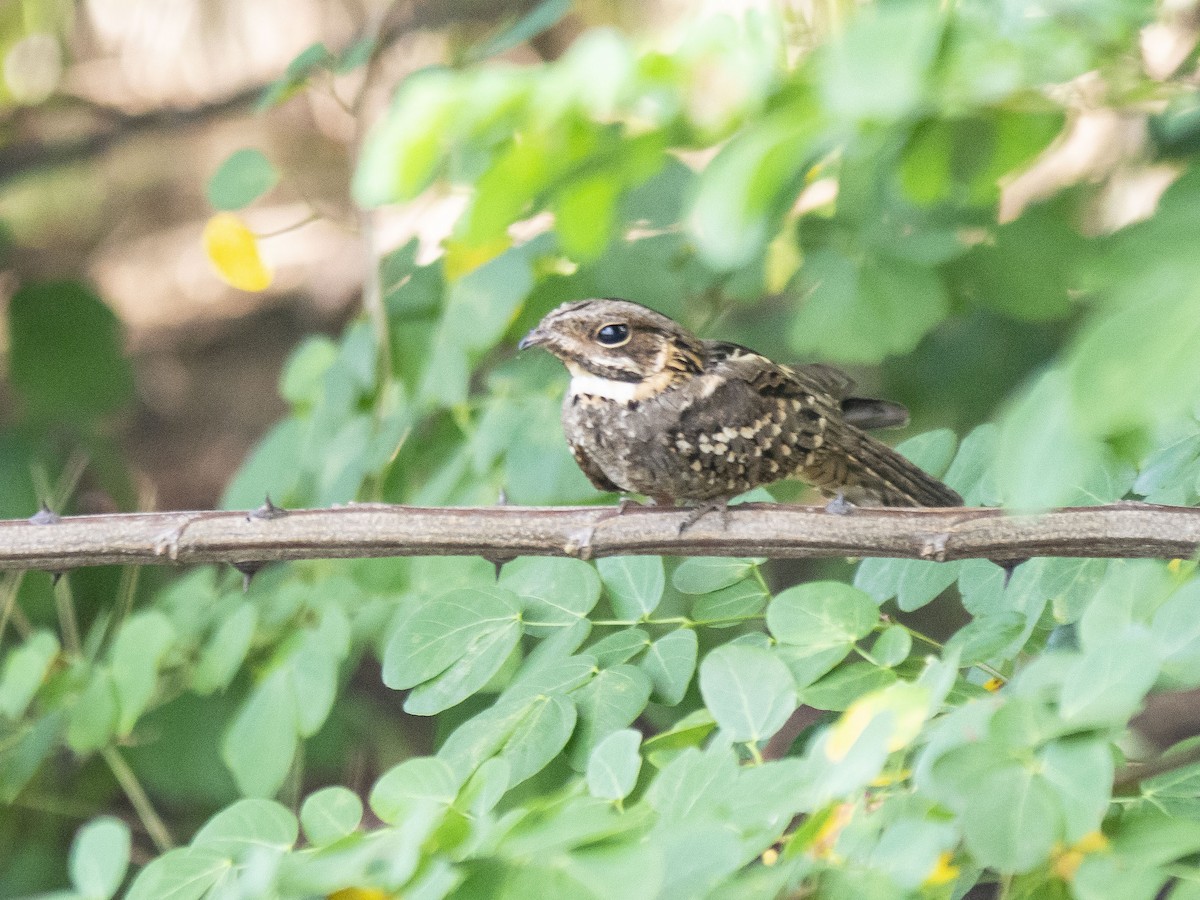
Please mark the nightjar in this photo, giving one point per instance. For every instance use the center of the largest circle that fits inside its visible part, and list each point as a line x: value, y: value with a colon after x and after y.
x: 654, y: 410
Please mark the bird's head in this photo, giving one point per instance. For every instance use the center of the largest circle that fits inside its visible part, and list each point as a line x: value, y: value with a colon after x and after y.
x: 615, y: 340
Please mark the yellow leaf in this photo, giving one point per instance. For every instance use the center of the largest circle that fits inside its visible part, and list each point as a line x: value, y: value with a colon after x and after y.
x: 943, y: 871
x: 462, y: 259
x: 358, y: 893
x: 232, y: 248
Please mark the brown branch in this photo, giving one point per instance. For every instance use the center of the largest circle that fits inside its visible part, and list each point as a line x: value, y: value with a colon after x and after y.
x: 772, y: 530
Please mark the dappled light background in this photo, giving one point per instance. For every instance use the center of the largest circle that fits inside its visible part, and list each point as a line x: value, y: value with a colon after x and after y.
x: 986, y: 211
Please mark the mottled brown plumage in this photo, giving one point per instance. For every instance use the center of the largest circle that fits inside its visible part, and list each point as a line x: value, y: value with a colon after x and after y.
x: 654, y: 410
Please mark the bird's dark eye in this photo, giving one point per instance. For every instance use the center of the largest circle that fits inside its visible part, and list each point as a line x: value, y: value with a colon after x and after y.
x: 613, y: 334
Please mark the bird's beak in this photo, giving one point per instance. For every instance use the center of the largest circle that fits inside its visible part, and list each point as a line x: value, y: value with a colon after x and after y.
x: 535, y: 338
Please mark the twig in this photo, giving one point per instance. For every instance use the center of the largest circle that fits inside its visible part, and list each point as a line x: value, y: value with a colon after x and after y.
x: 1123, y: 530
x: 151, y: 821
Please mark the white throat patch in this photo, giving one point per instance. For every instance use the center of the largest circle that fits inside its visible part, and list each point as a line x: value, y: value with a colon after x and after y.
x: 609, y: 388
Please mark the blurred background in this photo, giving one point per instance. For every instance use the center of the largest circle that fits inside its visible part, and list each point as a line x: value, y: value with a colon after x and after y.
x: 986, y: 211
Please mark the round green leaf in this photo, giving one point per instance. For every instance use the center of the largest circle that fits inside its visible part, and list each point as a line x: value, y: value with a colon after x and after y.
x: 618, y: 647
x: 741, y: 600
x: 24, y: 671
x: 99, y: 858
x: 634, y: 583
x: 226, y: 650
x: 892, y: 646
x: 703, y: 574
x: 249, y: 826
x: 748, y: 690
x: 94, y: 717
x: 613, y: 767
x: 670, y: 662
x: 330, y: 814
x: 244, y: 177
x: 439, y: 632
x: 261, y: 742
x: 610, y: 701
x: 821, y: 614
x: 539, y: 736
x: 554, y: 591
x: 469, y: 674
x: 413, y: 781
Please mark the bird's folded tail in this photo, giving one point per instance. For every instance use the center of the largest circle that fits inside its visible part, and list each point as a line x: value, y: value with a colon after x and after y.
x: 873, y: 474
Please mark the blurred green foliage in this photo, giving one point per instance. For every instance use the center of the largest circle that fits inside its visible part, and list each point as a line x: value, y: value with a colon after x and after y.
x: 849, y: 211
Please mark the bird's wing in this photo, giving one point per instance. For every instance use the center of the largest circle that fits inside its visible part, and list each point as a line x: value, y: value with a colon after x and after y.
x: 813, y: 379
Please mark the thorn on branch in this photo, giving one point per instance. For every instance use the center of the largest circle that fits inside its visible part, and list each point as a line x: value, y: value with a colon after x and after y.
x: 249, y: 569
x: 45, y: 516
x: 499, y: 561
x: 839, y: 505
x: 267, y: 512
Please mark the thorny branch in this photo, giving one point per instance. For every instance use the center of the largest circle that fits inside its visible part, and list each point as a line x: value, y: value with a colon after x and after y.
x: 773, y: 530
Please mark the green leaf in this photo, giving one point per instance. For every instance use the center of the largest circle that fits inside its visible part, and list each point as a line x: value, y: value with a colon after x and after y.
x: 261, y: 741
x: 863, y: 308
x: 541, y: 17
x: 892, y: 647
x: 821, y: 615
x: 878, y: 67
x: 618, y: 647
x: 137, y: 651
x: 743, y: 600
x: 748, y: 690
x: 469, y: 674
x: 226, y: 650
x: 99, y: 858
x: 94, y: 717
x: 330, y: 814
x: 1080, y: 771
x: 1013, y: 819
x: 186, y: 873
x: 56, y: 330
x: 613, y: 767
x: 24, y: 671
x: 242, y: 178
x: 439, y: 632
x: 607, y: 703
x: 539, y: 736
x: 304, y: 372
x: 418, y: 780
x: 703, y: 575
x: 1044, y: 458
x: 24, y: 750
x: 670, y: 662
x: 248, y: 827
x: 842, y: 687
x: 634, y: 584
x: 746, y: 189
x: 986, y: 637
x: 270, y: 469
x: 1106, y: 684
x: 555, y: 591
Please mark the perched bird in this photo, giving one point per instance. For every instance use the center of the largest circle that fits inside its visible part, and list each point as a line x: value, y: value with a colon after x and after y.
x: 654, y: 410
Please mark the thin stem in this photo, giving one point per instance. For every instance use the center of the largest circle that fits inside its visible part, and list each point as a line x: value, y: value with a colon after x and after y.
x: 126, y: 590
x: 64, y: 603
x: 154, y: 825
x: 983, y: 667
x: 9, y: 585
x: 307, y: 220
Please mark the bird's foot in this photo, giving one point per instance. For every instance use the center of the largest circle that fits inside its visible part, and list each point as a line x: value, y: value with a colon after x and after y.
x: 839, y: 505
x: 699, y: 512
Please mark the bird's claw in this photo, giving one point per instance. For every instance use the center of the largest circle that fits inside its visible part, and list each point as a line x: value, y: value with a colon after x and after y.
x: 699, y: 512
